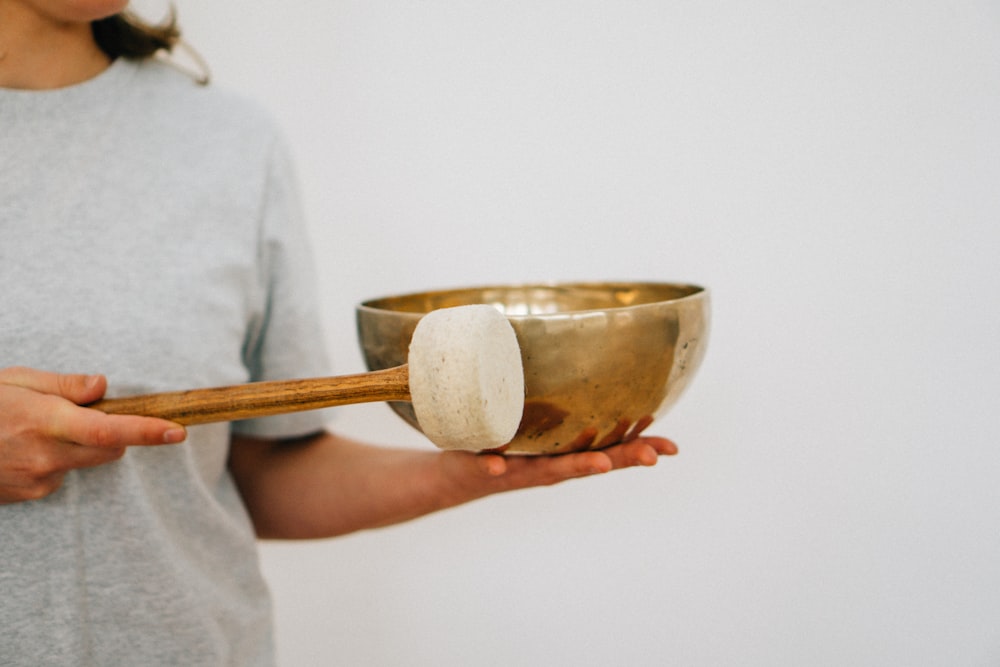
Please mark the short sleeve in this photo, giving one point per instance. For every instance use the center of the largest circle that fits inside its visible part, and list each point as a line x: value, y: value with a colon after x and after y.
x: 286, y: 340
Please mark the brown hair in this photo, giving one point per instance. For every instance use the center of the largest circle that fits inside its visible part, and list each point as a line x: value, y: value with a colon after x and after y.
x: 127, y: 36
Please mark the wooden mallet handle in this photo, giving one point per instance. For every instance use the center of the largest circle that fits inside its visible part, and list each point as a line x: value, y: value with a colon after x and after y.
x: 262, y: 399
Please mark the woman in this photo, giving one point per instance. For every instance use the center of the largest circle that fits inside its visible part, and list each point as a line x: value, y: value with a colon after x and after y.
x: 152, y: 241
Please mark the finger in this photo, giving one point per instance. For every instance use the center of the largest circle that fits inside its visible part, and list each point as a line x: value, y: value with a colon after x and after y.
x: 492, y: 465
x: 581, y: 464
x: 634, y: 454
x: 617, y: 434
x: 30, y: 488
x: 35, y: 472
x: 583, y: 441
x: 547, y: 470
x: 643, y: 451
x: 48, y: 463
x: 663, y: 446
x: 93, y: 428
x: 77, y: 388
x: 639, y: 427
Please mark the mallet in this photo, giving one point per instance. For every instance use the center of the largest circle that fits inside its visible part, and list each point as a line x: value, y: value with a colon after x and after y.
x: 463, y: 376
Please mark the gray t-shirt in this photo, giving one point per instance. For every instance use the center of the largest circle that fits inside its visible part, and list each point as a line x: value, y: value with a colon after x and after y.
x: 149, y: 230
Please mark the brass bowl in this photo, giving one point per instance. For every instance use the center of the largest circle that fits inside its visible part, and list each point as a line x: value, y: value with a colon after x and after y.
x: 601, y: 360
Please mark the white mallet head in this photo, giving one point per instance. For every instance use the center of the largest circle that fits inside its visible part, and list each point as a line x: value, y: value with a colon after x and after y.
x: 466, y: 378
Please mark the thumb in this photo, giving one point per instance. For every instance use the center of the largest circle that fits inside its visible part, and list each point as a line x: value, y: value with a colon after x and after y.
x: 80, y: 389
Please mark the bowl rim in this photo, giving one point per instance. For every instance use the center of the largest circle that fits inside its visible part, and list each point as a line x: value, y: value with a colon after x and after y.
x: 697, y: 291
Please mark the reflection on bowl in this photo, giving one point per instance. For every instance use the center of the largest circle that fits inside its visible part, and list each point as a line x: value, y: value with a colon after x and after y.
x: 601, y: 360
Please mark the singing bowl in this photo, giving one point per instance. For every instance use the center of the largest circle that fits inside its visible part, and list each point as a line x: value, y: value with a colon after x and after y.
x: 601, y: 360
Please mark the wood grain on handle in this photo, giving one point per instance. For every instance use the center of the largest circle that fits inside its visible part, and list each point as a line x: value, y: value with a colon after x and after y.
x: 261, y: 399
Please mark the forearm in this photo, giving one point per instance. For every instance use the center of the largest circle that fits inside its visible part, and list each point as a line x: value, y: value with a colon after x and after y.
x: 328, y: 485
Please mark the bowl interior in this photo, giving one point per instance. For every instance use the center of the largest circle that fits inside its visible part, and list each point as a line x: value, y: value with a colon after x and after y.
x: 539, y: 299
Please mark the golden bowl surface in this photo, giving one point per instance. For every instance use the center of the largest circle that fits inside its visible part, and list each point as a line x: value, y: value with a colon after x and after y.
x: 601, y: 360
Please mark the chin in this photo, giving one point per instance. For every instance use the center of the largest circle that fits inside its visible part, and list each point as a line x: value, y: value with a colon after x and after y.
x: 80, y: 11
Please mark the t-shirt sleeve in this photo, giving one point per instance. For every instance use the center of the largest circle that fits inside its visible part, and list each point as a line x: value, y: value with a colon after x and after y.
x: 286, y: 341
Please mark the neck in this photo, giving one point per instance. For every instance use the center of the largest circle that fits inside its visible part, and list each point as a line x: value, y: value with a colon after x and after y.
x: 39, y: 53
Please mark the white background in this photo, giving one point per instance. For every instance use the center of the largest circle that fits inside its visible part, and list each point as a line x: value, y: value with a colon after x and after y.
x: 830, y: 170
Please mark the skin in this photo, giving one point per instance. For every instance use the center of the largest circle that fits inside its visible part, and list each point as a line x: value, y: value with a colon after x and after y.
x: 328, y: 485
x: 44, y: 433
x: 48, y: 44
x: 321, y: 486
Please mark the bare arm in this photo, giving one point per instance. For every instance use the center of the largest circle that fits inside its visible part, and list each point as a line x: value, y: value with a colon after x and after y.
x: 327, y: 485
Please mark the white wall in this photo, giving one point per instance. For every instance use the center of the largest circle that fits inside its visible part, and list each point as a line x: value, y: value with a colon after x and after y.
x: 830, y: 170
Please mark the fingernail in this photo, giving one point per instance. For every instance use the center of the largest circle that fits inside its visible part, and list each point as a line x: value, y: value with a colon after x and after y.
x: 173, y: 436
x: 92, y: 381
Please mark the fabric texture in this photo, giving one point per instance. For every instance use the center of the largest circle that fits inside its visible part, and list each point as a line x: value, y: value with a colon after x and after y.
x: 149, y: 230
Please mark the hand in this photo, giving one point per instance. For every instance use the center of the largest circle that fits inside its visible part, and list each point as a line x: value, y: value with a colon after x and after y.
x: 44, y: 433
x: 327, y: 485
x: 494, y: 473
